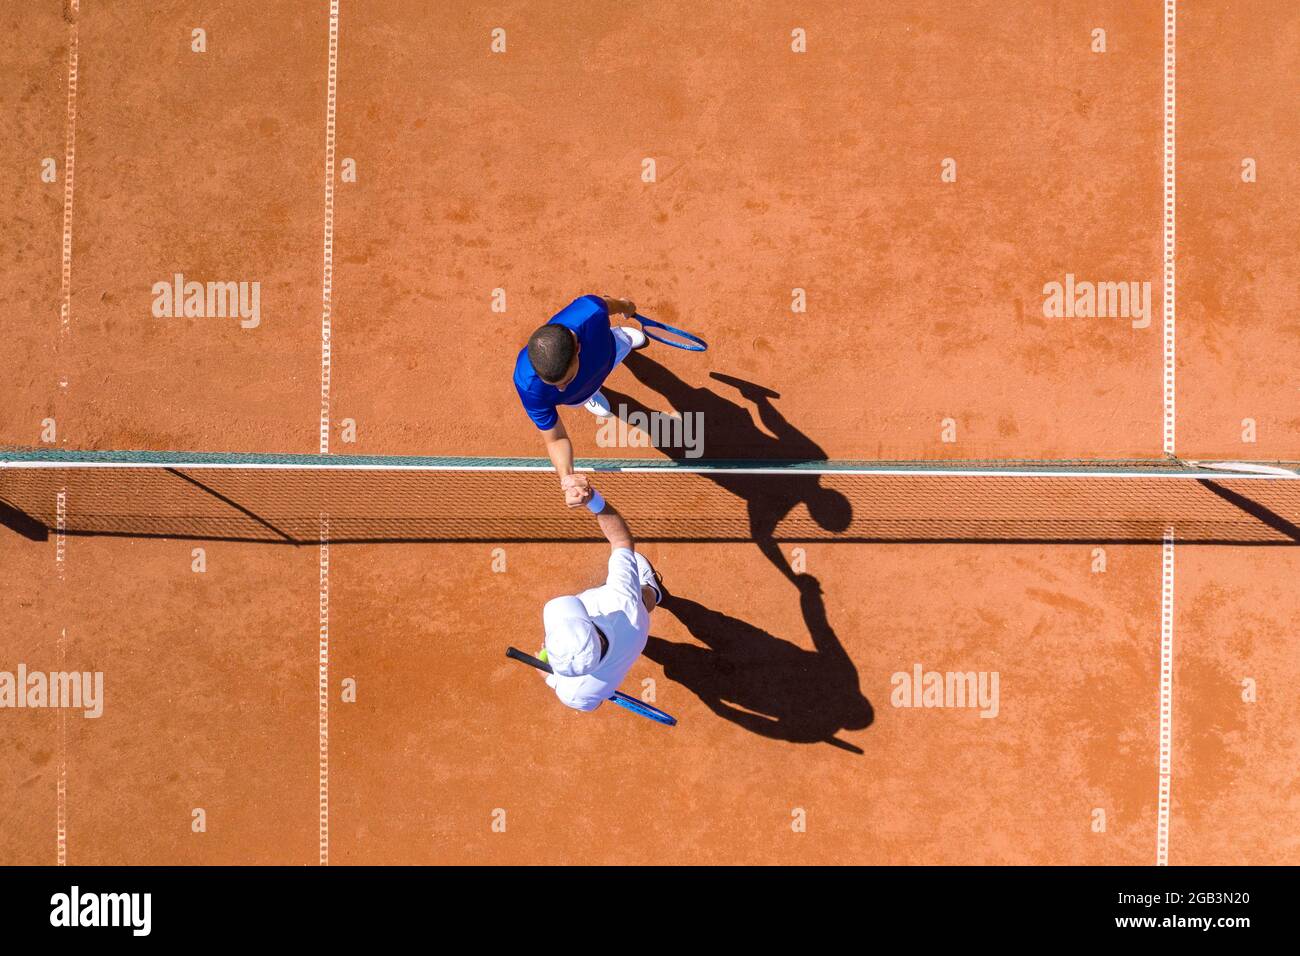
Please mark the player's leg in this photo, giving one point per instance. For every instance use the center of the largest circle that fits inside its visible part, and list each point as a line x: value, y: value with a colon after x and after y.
x: 652, y: 583
x: 626, y: 341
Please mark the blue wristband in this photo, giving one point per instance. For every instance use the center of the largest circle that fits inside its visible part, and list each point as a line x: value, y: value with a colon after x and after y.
x: 596, y: 504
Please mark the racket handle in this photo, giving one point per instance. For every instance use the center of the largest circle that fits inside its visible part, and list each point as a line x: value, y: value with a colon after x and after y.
x: 518, y: 655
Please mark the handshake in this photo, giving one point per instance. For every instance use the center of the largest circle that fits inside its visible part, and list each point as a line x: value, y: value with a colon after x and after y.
x: 577, y: 490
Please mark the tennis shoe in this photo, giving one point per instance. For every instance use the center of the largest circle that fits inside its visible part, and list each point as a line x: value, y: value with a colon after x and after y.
x: 648, y: 577
x: 639, y: 338
x: 598, y: 405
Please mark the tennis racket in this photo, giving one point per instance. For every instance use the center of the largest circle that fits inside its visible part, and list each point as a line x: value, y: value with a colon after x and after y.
x: 668, y: 335
x: 630, y: 703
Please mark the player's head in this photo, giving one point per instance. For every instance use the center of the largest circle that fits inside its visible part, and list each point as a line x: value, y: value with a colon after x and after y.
x: 572, y: 644
x: 859, y: 714
x: 830, y: 509
x: 553, y: 350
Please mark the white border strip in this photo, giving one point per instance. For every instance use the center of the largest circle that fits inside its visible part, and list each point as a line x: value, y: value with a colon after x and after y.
x: 61, y: 782
x: 323, y: 698
x: 327, y: 294
x: 1166, y: 697
x: 69, y: 175
x: 61, y: 788
x: 327, y: 268
x: 60, y: 531
x: 1170, y: 353
x: 65, y: 329
x: 1208, y: 474
x: 1249, y: 468
x: 1170, y: 420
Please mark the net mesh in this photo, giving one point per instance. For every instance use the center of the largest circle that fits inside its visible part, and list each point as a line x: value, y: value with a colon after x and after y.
x: 380, y: 500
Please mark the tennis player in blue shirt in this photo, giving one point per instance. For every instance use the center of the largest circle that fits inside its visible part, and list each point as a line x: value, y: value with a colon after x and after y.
x: 565, y: 363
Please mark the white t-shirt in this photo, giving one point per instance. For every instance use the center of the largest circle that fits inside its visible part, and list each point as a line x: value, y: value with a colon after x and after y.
x: 617, y: 610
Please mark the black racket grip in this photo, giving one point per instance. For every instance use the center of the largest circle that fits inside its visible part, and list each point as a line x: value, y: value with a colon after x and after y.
x: 528, y: 659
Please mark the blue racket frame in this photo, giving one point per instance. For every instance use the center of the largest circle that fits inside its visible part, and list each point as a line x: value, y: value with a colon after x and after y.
x: 644, y: 709
x: 649, y: 325
x: 620, y: 698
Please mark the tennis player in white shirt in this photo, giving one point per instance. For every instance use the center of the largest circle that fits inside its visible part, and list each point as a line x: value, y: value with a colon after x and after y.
x: 593, y: 638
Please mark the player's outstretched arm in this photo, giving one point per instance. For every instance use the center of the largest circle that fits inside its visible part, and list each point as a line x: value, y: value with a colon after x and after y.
x: 560, y: 451
x: 612, y: 525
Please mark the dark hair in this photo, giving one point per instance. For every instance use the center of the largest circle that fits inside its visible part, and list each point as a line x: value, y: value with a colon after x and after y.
x: 551, y: 350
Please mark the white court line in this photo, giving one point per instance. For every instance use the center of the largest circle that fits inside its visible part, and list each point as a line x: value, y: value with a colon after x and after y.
x: 327, y: 277
x: 69, y: 173
x: 1170, y: 369
x: 61, y: 782
x: 327, y: 292
x: 323, y: 701
x: 65, y: 329
x: 1166, y: 697
x: 1170, y: 353
x: 1225, y: 471
x: 61, y: 786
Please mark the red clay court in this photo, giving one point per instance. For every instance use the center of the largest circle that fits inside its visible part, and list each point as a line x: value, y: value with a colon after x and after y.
x: 985, y: 553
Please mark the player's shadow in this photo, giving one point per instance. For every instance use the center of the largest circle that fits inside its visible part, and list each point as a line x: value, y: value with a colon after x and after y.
x: 729, y: 432
x: 762, y: 682
x: 759, y: 681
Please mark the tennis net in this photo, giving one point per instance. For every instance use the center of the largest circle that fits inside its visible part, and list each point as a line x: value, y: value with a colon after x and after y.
x: 304, y: 499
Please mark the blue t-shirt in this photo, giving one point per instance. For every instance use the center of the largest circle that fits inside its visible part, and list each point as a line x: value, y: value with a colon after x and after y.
x: 589, y: 320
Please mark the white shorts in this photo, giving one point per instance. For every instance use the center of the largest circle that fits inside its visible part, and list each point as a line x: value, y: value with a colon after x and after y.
x: 622, y: 345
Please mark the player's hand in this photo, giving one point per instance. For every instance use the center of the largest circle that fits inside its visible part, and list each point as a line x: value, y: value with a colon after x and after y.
x: 621, y: 306
x: 577, y: 490
x: 573, y: 497
x: 807, y: 584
